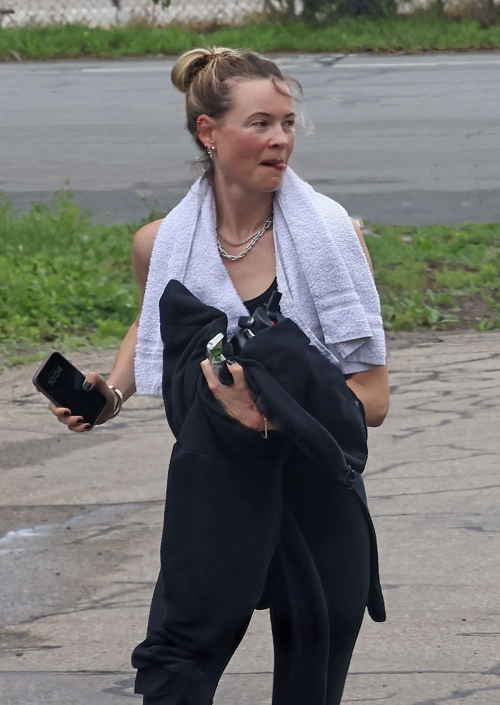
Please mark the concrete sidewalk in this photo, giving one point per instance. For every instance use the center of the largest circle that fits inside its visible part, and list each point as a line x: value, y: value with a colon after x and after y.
x: 80, y: 523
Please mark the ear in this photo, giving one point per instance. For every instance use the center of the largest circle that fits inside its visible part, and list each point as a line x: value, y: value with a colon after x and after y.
x: 206, y: 127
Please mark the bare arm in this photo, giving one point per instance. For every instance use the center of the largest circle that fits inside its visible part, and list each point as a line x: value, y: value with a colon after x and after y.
x: 372, y: 389
x: 370, y: 386
x: 122, y: 374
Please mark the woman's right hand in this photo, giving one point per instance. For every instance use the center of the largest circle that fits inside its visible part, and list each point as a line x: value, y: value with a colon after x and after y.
x: 77, y: 423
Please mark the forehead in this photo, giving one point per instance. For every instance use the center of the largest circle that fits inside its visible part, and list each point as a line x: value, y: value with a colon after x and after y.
x: 261, y: 95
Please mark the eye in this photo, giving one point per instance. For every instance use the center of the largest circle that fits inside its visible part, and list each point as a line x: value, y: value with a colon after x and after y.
x: 260, y: 122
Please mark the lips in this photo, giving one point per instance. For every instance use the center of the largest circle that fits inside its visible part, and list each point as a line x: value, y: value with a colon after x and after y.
x: 274, y: 164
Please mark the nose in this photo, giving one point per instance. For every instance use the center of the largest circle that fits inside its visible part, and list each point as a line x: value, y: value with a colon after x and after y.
x: 279, y: 137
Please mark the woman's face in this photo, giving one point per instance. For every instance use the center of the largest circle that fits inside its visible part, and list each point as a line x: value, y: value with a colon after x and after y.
x: 254, y: 140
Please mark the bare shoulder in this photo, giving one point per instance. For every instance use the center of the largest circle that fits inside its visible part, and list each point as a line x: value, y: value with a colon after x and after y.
x: 142, y: 246
x: 362, y: 241
x: 144, y: 239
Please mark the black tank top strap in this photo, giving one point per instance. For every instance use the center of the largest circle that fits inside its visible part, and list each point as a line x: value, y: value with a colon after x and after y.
x: 262, y: 299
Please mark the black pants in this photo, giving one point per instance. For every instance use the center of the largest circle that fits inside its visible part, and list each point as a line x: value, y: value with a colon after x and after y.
x: 326, y: 613
x: 343, y: 562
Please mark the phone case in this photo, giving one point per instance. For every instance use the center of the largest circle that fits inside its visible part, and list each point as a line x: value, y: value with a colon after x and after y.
x: 61, y: 382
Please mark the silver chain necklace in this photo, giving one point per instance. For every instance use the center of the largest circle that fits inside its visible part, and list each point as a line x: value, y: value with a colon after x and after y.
x: 251, y: 241
x: 236, y: 244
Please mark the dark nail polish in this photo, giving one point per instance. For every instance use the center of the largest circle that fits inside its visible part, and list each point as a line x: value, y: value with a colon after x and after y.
x: 66, y: 413
x: 230, y: 362
x: 88, y: 426
x: 87, y: 386
x: 80, y: 420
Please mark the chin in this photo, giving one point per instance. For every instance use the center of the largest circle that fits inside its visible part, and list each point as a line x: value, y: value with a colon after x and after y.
x: 271, y: 185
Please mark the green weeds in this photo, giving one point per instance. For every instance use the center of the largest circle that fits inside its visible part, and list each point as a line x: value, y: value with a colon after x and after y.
x: 63, y: 280
x: 409, y: 34
x: 66, y: 282
x: 438, y: 276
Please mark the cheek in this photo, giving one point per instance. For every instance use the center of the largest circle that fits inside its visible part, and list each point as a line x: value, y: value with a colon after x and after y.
x: 247, y: 147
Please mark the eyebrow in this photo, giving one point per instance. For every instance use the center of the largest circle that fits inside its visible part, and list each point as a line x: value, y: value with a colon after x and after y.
x: 268, y: 115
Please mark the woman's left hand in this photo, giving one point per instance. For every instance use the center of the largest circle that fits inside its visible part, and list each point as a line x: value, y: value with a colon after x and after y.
x: 236, y: 398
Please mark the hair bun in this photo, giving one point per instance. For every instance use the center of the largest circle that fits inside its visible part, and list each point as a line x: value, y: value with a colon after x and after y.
x: 192, y: 62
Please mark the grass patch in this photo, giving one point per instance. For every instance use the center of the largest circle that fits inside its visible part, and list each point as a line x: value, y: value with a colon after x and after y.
x: 66, y: 282
x: 442, y: 277
x: 409, y: 34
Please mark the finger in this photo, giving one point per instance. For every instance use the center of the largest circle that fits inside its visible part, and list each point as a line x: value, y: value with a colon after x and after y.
x: 213, y: 380
x: 77, y: 424
x: 60, y: 412
x: 94, y: 380
x: 237, y: 372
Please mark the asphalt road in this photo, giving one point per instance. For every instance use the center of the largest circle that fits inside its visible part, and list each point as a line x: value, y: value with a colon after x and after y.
x: 399, y: 139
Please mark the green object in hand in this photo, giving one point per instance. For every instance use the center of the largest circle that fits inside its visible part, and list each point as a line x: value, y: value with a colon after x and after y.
x: 214, y: 353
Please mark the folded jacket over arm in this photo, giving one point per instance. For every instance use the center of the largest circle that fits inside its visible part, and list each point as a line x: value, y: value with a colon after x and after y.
x: 241, y: 511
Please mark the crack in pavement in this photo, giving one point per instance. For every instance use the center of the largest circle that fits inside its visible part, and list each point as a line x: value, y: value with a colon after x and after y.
x: 434, y: 492
x: 373, y: 473
x: 458, y: 695
x: 109, y: 602
x: 28, y: 453
x: 80, y: 506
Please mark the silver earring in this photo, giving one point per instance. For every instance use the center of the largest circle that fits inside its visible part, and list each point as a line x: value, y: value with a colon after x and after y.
x: 209, y: 151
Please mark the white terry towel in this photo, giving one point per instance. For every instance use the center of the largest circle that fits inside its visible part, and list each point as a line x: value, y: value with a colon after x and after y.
x: 327, y: 286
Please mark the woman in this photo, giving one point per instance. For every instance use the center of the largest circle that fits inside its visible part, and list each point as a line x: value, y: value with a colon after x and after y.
x: 241, y: 113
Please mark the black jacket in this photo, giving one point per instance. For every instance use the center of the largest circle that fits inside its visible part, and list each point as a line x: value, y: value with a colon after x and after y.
x: 234, y: 497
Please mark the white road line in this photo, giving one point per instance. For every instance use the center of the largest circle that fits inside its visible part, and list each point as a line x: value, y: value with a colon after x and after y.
x: 167, y: 63
x: 415, y: 64
x: 396, y: 64
x: 129, y: 69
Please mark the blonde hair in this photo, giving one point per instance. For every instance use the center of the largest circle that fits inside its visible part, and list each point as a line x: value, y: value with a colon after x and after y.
x: 204, y: 74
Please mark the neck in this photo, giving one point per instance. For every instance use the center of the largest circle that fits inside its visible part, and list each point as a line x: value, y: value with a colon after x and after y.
x: 240, y: 212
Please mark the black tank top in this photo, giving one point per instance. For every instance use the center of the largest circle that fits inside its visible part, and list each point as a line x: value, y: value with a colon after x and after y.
x: 262, y: 299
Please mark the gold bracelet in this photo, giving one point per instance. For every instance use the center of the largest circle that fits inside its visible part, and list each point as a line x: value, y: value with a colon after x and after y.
x: 118, y: 401
x: 264, y: 432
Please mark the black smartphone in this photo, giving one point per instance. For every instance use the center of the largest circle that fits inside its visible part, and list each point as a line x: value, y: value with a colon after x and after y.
x: 61, y: 382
